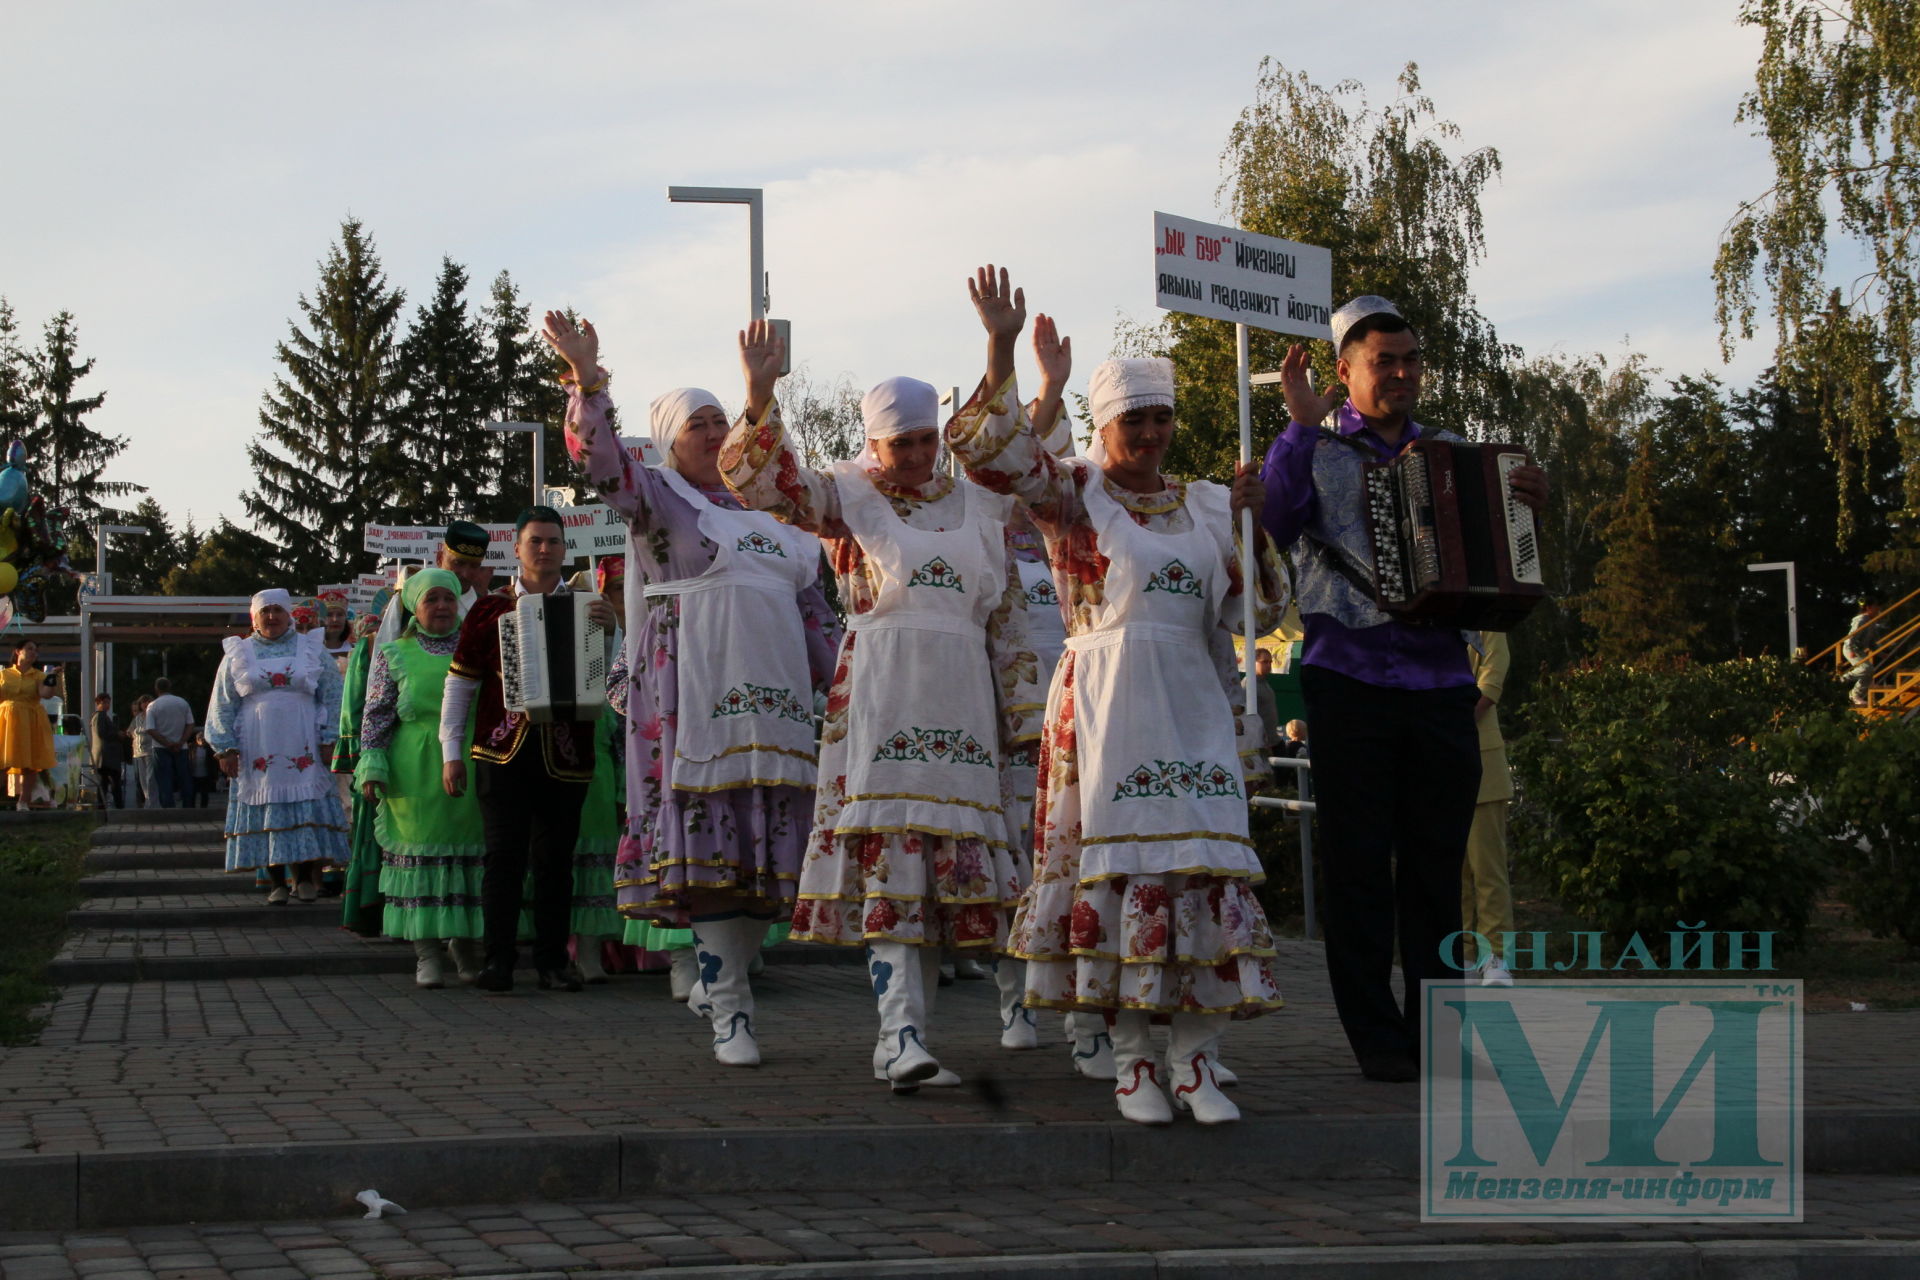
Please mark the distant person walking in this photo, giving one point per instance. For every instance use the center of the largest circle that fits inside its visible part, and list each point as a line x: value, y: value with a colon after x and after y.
x: 142, y: 754
x: 26, y: 737
x: 107, y: 748
x: 170, y: 727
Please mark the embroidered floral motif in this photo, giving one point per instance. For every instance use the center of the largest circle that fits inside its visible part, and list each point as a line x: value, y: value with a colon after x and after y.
x: 303, y: 763
x: 936, y: 573
x: 279, y: 679
x: 934, y: 746
x: 260, y: 763
x: 1169, y: 777
x: 763, y: 700
x: 760, y: 544
x: 1041, y: 594
x: 1175, y: 577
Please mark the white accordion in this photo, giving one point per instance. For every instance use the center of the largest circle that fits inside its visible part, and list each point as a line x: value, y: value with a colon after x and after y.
x: 554, y: 658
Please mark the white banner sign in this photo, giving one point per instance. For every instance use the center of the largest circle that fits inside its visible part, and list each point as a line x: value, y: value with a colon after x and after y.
x: 1229, y: 274
x: 592, y: 531
x: 642, y: 449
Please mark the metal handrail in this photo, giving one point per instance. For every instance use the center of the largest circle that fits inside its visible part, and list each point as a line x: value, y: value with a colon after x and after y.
x: 1303, y: 771
x: 1893, y: 608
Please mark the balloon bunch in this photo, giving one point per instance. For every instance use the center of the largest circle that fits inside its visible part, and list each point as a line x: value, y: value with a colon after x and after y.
x: 33, y: 540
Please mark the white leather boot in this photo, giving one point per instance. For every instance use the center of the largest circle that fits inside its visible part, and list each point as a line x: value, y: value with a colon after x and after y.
x: 1196, y: 1087
x: 930, y: 983
x: 1137, y: 1086
x: 427, y: 969
x: 723, y: 949
x: 1092, y: 1046
x: 1019, y: 1029
x: 683, y: 974
x: 586, y: 954
x: 467, y: 957
x: 899, y: 990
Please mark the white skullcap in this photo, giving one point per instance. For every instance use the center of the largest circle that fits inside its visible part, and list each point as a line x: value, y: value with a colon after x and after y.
x: 271, y: 596
x: 897, y: 406
x: 1367, y: 304
x: 669, y: 414
x: 1119, y: 386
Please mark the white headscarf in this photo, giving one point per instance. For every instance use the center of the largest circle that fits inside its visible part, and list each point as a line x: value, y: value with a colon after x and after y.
x: 270, y: 597
x: 895, y: 407
x: 1119, y: 386
x: 669, y: 414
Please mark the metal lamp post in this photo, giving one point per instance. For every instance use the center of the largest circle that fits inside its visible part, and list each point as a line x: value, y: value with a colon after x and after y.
x: 757, y: 291
x: 1793, y: 602
x: 539, y: 430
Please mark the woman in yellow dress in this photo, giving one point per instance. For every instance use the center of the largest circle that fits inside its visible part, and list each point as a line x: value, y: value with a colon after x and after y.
x: 26, y: 737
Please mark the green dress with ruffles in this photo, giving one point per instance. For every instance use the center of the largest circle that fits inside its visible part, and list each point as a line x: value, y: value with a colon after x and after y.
x: 432, y: 845
x: 362, y: 909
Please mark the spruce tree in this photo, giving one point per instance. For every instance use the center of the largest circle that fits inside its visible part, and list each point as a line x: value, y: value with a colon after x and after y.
x: 67, y: 456
x: 521, y: 388
x: 18, y: 408
x: 444, y: 452
x: 325, y: 460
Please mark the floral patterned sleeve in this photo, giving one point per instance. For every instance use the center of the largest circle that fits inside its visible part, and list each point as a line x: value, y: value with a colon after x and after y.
x: 617, y: 680
x: 998, y: 446
x: 624, y: 484
x: 1016, y: 668
x: 760, y: 465
x: 378, y: 722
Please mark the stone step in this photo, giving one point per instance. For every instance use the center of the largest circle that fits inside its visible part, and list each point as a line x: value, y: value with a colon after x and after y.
x: 193, y: 910
x: 107, y: 836
x: 138, y: 882
x: 215, y: 813
x: 159, y: 858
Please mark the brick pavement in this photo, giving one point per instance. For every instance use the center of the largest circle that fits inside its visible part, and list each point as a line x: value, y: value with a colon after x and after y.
x: 850, y: 1228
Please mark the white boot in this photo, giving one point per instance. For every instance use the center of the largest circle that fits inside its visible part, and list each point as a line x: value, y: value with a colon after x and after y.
x: 724, y: 947
x: 427, y: 970
x: 684, y: 973
x: 586, y: 955
x: 467, y: 957
x: 1196, y: 1085
x: 1019, y: 1029
x: 1092, y: 1046
x: 930, y: 970
x: 1137, y: 1087
x: 900, y: 992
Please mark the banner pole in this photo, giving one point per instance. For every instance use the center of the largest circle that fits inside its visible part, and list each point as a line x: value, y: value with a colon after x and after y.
x: 1248, y: 582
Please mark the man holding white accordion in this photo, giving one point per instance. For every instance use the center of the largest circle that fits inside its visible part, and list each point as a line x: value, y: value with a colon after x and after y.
x: 532, y: 745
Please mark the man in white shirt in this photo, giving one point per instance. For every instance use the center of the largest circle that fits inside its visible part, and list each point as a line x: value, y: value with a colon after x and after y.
x: 170, y: 727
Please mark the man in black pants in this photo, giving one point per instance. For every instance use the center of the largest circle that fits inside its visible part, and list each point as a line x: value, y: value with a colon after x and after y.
x: 1396, y: 756
x: 530, y: 779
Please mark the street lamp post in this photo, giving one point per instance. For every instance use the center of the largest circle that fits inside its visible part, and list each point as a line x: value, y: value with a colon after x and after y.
x: 1793, y: 602
x: 92, y: 666
x: 757, y: 291
x: 539, y: 430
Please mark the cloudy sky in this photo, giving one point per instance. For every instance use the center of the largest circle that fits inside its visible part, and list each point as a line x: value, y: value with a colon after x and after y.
x: 174, y: 172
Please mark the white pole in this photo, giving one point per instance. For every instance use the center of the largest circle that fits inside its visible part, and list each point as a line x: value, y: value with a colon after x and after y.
x: 757, y: 254
x: 1793, y: 617
x: 1248, y: 581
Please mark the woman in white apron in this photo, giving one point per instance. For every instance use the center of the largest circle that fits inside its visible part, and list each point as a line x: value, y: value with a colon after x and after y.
x: 934, y: 692
x: 1142, y: 902
x: 275, y: 706
x: 728, y: 636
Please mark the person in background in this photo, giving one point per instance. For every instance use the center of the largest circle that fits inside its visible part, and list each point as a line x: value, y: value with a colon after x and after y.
x: 200, y: 768
x: 107, y: 747
x: 1296, y: 740
x: 142, y: 754
x: 1268, y: 705
x: 1486, y: 899
x: 26, y: 735
x: 170, y: 725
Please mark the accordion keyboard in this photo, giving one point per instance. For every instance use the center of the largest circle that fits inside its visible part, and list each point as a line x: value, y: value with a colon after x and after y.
x: 1523, y: 536
x: 1384, y: 506
x: 1426, y: 547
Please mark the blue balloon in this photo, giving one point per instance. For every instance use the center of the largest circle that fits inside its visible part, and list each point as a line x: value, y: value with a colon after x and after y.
x: 13, y: 488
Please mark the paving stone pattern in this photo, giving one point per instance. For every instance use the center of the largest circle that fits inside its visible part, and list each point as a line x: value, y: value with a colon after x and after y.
x: 851, y: 1227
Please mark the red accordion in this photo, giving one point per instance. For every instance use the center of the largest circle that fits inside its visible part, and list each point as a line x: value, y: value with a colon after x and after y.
x: 1451, y: 544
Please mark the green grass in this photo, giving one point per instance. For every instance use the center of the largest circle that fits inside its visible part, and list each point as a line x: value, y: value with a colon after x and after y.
x: 40, y: 868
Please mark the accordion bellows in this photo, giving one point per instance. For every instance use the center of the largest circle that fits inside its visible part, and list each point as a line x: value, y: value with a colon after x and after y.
x: 554, y: 658
x: 1451, y: 544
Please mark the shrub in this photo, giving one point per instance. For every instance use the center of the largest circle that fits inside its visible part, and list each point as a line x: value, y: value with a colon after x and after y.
x: 1652, y: 797
x: 1864, y: 775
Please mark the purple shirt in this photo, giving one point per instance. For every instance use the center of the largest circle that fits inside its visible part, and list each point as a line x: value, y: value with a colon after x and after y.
x: 1396, y: 654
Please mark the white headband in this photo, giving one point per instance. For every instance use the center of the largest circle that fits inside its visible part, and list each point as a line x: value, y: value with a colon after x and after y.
x: 669, y: 414
x: 271, y: 596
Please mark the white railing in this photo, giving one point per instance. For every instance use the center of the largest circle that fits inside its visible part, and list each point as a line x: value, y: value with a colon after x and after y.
x: 1305, y: 807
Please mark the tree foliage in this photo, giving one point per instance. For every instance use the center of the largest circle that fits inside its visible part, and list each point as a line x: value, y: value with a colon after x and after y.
x: 442, y: 453
x: 822, y: 418
x: 1381, y: 188
x: 1837, y: 97
x: 520, y: 388
x: 326, y: 446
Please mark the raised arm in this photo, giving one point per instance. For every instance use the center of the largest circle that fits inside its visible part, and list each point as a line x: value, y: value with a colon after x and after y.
x: 757, y: 460
x: 622, y: 483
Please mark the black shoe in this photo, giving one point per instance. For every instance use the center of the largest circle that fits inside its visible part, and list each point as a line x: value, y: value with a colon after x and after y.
x: 1390, y: 1068
x: 567, y: 979
x: 496, y: 981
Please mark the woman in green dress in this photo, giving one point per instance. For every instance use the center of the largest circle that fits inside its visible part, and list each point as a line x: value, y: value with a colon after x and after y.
x: 432, y: 846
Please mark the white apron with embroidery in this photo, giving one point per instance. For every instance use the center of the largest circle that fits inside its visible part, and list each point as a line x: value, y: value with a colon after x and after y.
x: 279, y: 729
x: 922, y: 747
x: 744, y: 686
x: 1160, y: 784
x: 1046, y: 626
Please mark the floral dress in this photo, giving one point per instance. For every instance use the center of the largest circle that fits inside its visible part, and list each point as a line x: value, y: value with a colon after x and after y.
x: 920, y: 887
x: 277, y: 702
x: 745, y: 839
x: 1162, y: 922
